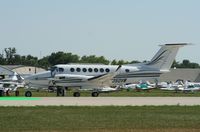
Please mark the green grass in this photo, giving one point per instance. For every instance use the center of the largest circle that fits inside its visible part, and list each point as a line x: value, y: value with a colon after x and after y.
x: 124, y: 93
x: 108, y: 118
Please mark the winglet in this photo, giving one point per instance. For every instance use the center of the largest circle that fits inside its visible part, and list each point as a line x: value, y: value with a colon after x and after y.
x: 118, y: 68
x: 107, y: 76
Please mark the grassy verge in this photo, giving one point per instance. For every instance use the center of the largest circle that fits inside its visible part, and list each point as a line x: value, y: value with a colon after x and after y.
x: 95, y: 119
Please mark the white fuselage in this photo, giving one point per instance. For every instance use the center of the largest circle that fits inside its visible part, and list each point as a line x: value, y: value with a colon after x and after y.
x: 83, y: 75
x: 77, y: 75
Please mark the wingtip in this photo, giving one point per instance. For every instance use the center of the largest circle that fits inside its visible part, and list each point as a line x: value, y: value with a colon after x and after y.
x: 118, y: 67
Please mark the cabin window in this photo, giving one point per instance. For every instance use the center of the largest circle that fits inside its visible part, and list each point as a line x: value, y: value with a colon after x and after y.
x: 101, y: 70
x: 107, y: 70
x: 127, y: 70
x: 90, y: 69
x: 78, y: 69
x: 96, y: 70
x: 72, y: 69
x: 61, y: 69
x: 84, y: 70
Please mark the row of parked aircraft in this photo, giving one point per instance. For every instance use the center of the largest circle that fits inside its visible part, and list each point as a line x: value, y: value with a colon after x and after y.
x: 100, y: 78
x: 185, y: 86
x: 179, y: 85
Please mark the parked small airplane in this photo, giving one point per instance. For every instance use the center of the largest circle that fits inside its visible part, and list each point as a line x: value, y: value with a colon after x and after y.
x: 140, y: 86
x: 12, y: 83
x: 130, y: 86
x: 11, y: 86
x: 93, y: 76
x: 171, y: 86
x: 180, y: 86
x: 145, y: 86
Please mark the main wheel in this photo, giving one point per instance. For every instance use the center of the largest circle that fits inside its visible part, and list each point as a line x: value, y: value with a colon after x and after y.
x: 28, y: 93
x: 95, y: 94
x: 76, y: 94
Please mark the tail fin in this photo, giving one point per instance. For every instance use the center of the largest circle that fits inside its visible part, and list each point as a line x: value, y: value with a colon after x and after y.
x: 165, y: 56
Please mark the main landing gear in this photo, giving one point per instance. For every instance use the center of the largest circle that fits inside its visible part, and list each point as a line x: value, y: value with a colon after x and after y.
x: 60, y: 91
x: 76, y: 94
x: 28, y: 94
x: 95, y: 94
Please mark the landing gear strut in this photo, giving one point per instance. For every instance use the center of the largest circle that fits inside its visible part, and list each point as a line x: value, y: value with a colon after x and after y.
x: 17, y: 93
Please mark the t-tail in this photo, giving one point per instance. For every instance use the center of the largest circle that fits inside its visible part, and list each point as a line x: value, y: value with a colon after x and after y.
x: 165, y: 57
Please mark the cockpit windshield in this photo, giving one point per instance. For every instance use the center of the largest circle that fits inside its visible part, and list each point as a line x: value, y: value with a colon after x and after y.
x: 61, y: 70
x: 53, y: 70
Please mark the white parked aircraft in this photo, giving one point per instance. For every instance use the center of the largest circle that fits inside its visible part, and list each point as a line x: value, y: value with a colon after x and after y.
x: 87, y: 76
x: 130, y: 86
x: 140, y: 86
x: 12, y: 83
x: 180, y: 86
x: 191, y: 86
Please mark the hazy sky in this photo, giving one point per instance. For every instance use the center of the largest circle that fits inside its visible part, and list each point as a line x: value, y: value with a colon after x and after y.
x: 116, y: 29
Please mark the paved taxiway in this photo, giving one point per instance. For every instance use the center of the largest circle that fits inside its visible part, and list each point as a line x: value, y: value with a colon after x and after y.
x: 103, y: 101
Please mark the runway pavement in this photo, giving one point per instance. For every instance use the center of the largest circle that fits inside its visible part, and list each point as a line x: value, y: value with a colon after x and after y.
x: 103, y: 101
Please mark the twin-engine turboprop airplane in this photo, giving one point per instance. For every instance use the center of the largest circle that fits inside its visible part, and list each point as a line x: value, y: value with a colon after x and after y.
x: 91, y: 76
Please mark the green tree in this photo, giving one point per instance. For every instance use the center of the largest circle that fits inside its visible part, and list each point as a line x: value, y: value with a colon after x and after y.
x: 185, y: 64
x: 62, y: 58
x: 114, y: 62
x: 194, y: 65
x: 175, y: 64
x: 17, y: 59
x: 10, y: 52
x: 94, y: 59
x: 122, y: 62
x: 134, y: 61
x: 2, y: 60
x: 31, y: 60
x: 44, y: 63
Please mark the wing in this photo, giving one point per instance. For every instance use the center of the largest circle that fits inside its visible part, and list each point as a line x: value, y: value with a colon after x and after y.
x: 105, y: 79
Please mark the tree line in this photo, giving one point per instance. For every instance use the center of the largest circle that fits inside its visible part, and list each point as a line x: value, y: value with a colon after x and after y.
x: 10, y: 57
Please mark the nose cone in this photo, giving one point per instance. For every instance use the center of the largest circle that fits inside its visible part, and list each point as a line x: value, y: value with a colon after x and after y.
x: 38, y: 80
x: 38, y: 76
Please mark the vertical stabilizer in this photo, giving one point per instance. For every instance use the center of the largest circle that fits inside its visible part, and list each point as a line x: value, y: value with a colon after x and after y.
x: 164, y: 58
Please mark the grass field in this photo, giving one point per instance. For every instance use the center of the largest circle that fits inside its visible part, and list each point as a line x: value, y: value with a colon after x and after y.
x: 124, y: 93
x: 97, y: 119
